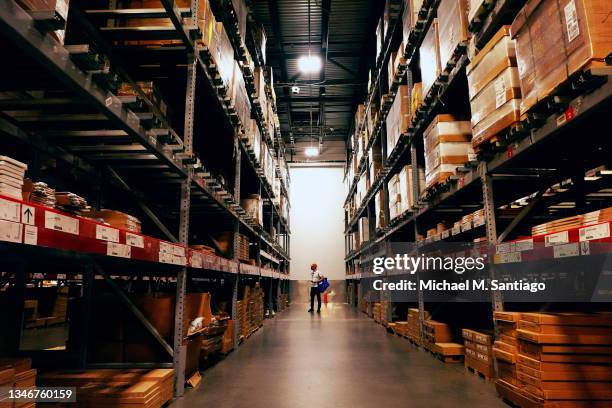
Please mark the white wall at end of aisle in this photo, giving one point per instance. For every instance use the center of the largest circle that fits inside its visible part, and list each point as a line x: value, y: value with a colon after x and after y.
x: 317, y: 221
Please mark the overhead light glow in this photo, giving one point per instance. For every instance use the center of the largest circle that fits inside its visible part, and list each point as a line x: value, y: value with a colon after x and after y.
x: 311, y: 151
x: 309, y: 64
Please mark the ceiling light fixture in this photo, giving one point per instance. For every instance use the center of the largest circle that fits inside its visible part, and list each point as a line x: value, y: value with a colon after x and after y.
x: 311, y: 151
x: 310, y: 64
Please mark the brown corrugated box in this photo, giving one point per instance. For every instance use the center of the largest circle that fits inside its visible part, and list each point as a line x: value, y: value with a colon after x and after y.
x: 453, y: 27
x: 430, y: 58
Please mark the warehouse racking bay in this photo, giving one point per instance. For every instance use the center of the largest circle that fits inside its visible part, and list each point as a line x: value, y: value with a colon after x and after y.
x: 64, y: 115
x: 555, y: 155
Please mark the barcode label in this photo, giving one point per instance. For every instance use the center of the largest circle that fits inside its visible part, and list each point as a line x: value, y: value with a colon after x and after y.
x: 555, y: 239
x: 571, y: 21
x: 594, y: 232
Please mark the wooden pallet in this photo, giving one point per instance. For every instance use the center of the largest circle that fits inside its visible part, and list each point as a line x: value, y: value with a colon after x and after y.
x: 592, y: 75
x: 499, y: 141
x: 448, y: 358
x: 478, y: 373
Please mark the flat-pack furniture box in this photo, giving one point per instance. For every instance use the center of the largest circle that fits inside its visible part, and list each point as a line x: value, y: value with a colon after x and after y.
x: 452, y: 28
x: 253, y: 205
x: 430, y: 58
x: 398, y: 118
x: 447, y: 145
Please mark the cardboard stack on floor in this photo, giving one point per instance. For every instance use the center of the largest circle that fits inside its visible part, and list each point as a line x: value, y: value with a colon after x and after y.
x: 447, y: 146
x: 564, y: 359
x: 414, y: 328
x: 494, y: 88
x: 505, y: 348
x: 479, y: 351
x: 127, y: 388
x: 16, y: 373
x: 12, y: 173
x: 438, y: 339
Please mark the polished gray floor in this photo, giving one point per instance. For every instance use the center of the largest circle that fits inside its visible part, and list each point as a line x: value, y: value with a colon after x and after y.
x: 336, y: 359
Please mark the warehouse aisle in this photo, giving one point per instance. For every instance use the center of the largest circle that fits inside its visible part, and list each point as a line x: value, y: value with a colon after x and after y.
x: 337, y: 359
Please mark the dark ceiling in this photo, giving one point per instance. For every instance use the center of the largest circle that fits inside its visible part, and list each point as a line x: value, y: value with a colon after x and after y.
x: 342, y: 33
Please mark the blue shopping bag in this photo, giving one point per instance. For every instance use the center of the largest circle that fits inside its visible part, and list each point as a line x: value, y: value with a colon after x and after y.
x: 323, y: 285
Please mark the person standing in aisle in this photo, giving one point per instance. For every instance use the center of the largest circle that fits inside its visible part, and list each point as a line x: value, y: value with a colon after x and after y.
x: 315, y: 278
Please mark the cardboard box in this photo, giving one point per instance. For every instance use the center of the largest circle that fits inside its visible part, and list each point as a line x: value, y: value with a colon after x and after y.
x: 408, y: 199
x: 398, y: 119
x: 430, y: 58
x: 496, y: 56
x: 447, y: 145
x: 364, y: 230
x: 379, y: 208
x: 453, y: 28
x: 505, y: 87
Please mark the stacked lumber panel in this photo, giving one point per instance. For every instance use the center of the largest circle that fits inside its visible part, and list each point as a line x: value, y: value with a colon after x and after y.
x: 563, y: 359
x: 593, y: 217
x: 128, y: 388
x: 505, y: 348
x: 16, y: 373
x: 479, y: 351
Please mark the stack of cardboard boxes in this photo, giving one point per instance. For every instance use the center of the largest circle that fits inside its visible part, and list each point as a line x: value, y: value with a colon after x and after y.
x: 414, y: 328
x: 505, y: 347
x: 557, y: 38
x: 12, y: 173
x: 398, y: 118
x: 430, y: 58
x: 447, y: 146
x: 563, y: 359
x: 479, y: 351
x: 453, y: 29
x: 494, y: 88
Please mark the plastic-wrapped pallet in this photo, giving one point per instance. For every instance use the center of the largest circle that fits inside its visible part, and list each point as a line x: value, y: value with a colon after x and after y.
x: 430, y: 58
x: 494, y: 87
x: 447, y: 146
x: 254, y: 137
x: 453, y: 28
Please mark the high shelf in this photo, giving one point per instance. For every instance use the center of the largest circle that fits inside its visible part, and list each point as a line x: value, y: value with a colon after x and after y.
x: 551, y: 164
x: 185, y: 163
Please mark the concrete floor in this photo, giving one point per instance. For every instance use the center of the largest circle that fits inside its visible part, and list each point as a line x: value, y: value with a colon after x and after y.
x: 337, y: 359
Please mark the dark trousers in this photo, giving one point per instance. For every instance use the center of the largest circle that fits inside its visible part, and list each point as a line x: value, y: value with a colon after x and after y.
x: 315, y: 292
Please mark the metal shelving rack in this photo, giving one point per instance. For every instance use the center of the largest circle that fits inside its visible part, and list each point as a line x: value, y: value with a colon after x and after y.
x: 101, y: 135
x: 518, y: 167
